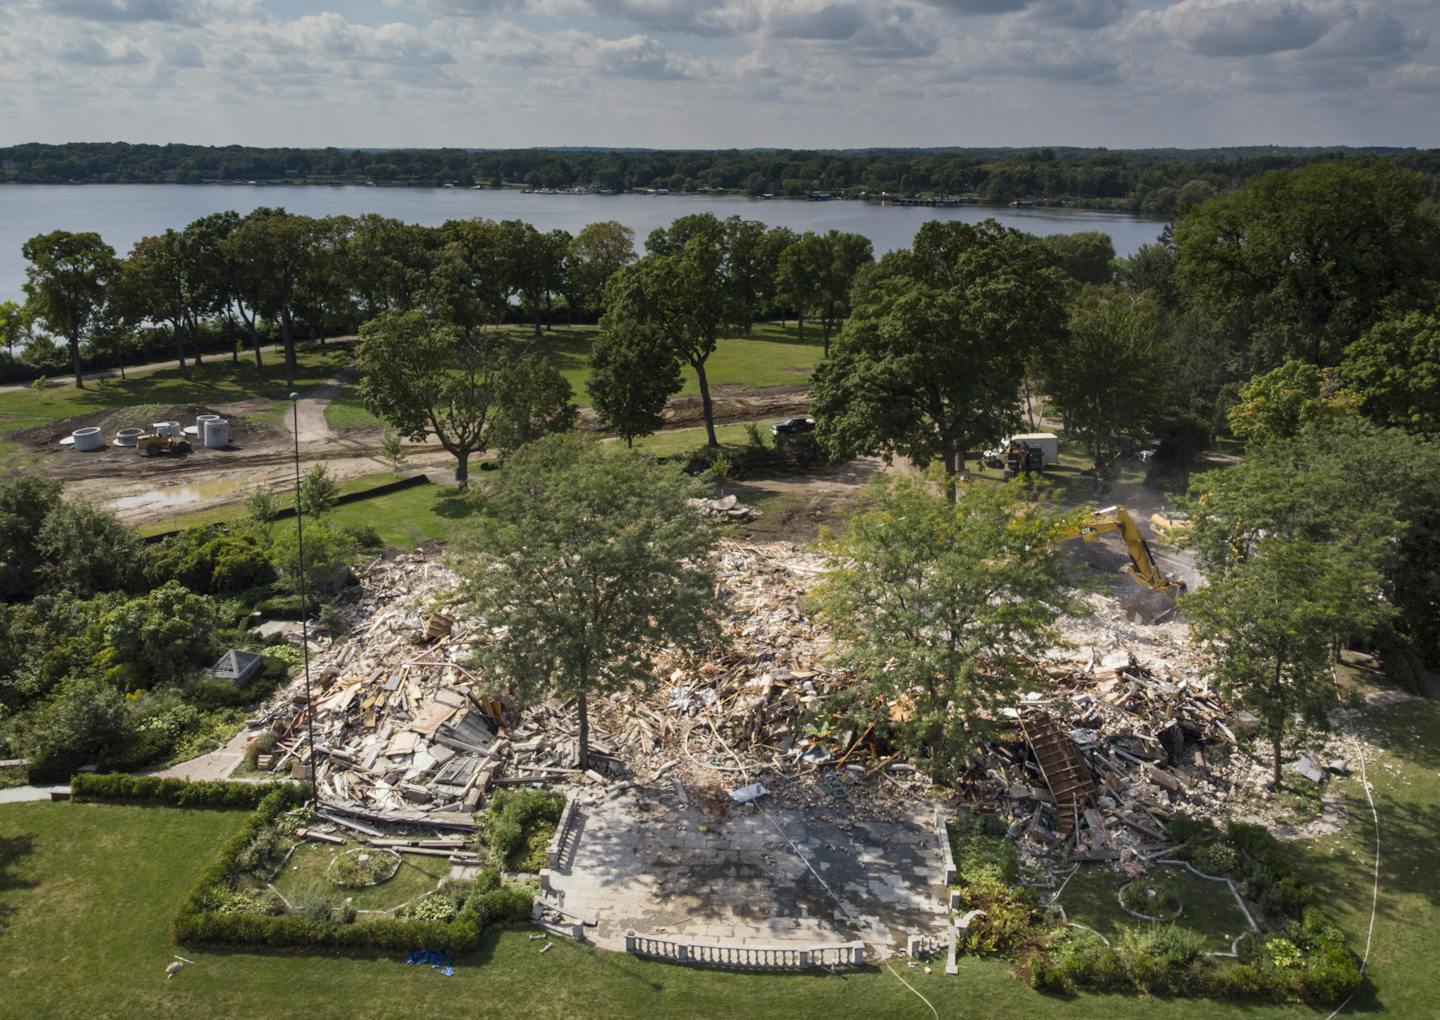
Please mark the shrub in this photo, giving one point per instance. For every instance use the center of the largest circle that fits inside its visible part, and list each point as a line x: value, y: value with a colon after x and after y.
x: 1078, y: 960
x: 978, y: 843
x: 327, y: 558
x: 1159, y: 958
x: 318, y: 492
x: 1191, y: 832
x: 1153, y: 898
x: 88, y: 786
x: 363, y: 535
x: 511, y: 818
x: 358, y: 868
x: 263, y: 744
x: 1009, y: 918
x: 1216, y: 858
x: 84, y: 722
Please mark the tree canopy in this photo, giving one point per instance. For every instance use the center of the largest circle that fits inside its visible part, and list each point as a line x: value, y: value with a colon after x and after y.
x: 583, y: 562
x: 930, y: 363
x: 940, y: 607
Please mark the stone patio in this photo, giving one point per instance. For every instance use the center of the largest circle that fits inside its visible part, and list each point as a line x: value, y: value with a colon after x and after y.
x: 653, y: 862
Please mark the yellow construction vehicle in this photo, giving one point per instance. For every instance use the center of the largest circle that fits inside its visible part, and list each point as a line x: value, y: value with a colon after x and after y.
x: 1142, y: 566
x: 153, y: 442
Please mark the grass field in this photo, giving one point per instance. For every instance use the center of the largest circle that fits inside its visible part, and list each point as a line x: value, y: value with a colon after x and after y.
x: 1090, y: 898
x: 402, y: 519
x: 771, y: 356
x: 306, y: 870
x: 216, y: 381
x: 87, y: 893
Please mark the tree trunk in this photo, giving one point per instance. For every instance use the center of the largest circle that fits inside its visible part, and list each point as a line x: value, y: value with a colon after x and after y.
x: 462, y: 468
x: 826, y: 334
x: 255, y: 342
x: 800, y: 321
x: 194, y: 328
x: 234, y: 347
x: 287, y: 337
x: 75, y: 361
x: 120, y: 359
x: 954, y: 464
x: 705, y: 402
x: 1275, y: 747
x: 180, y: 352
x: 582, y: 706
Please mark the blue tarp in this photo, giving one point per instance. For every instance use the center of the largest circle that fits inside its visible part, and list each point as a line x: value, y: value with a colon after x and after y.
x: 437, y: 960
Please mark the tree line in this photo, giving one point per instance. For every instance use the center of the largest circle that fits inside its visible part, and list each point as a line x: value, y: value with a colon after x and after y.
x: 1157, y: 182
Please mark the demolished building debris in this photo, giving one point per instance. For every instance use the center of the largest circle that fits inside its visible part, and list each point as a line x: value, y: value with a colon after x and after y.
x: 409, y: 734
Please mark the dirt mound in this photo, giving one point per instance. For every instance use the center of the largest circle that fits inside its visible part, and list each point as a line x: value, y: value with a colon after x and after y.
x: 112, y: 419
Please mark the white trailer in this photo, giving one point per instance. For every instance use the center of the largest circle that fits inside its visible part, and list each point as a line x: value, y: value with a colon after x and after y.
x: 1048, y: 443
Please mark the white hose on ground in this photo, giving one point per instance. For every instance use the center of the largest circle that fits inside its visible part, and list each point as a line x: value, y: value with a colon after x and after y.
x: 811, y: 868
x: 1375, y: 890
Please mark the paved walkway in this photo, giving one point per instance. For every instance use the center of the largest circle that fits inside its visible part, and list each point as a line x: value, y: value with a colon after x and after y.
x: 21, y: 794
x: 642, y: 861
x: 218, y: 764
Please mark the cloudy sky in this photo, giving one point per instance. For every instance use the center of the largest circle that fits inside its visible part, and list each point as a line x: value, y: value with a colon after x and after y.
x: 713, y: 73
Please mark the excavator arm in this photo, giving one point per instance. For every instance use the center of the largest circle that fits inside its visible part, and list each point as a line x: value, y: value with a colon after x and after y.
x: 1142, y: 566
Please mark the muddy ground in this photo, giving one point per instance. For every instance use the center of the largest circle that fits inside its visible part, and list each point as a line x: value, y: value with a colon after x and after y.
x: 141, y: 488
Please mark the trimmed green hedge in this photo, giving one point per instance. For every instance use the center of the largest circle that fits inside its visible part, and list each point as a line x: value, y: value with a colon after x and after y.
x: 200, y: 922
x: 128, y: 789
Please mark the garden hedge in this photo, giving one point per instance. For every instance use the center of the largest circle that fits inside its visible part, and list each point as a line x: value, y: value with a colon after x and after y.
x: 199, y: 923
x: 123, y: 788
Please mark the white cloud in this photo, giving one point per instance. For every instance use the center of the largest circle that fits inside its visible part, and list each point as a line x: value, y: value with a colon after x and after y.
x: 1239, y: 28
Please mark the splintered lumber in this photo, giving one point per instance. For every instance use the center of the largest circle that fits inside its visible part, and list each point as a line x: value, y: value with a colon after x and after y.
x: 320, y: 837
x: 350, y: 823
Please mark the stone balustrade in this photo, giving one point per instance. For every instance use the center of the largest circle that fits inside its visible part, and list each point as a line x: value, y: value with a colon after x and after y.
x: 740, y: 957
x: 556, y: 846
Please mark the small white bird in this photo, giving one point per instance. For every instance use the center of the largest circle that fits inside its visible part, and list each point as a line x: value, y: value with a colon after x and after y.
x: 175, y: 967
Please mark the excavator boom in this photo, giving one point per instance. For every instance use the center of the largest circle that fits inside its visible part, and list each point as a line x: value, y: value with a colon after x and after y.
x: 1142, y: 566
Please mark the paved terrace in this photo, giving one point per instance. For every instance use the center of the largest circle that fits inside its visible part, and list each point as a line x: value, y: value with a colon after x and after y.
x: 653, y: 862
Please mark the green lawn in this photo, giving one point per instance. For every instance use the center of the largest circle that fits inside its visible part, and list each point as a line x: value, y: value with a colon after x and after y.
x: 402, y: 519
x: 87, y: 893
x: 306, y: 869
x: 1090, y: 898
x: 771, y: 356
x: 216, y: 381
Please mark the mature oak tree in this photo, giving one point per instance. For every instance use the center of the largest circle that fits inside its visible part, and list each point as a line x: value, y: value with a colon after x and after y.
x: 65, y: 284
x: 931, y: 360
x: 1108, y: 375
x: 584, y: 562
x: 940, y: 607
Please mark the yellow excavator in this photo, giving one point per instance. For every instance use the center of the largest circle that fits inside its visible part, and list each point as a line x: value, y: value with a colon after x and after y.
x: 1142, y: 566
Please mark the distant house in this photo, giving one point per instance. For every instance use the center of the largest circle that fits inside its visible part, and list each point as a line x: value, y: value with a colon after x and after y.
x: 236, y: 666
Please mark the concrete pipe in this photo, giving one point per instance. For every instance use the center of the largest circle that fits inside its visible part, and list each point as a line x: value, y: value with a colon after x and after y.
x: 167, y: 428
x: 128, y: 437
x: 88, y: 439
x: 217, y: 434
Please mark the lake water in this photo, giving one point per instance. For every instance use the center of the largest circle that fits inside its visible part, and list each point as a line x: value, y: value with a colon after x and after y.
x: 124, y: 213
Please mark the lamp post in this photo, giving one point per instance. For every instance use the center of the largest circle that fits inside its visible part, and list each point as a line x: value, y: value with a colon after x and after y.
x: 304, y: 610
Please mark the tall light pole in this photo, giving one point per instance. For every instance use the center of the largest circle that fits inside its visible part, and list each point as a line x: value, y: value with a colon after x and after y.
x: 304, y: 610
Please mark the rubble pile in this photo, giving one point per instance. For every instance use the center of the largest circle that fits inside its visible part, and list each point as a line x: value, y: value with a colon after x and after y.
x: 1151, y: 745
x: 401, y: 729
x: 405, y: 734
x: 744, y: 708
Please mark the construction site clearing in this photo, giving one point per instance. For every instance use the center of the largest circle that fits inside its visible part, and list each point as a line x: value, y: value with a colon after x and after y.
x: 724, y: 803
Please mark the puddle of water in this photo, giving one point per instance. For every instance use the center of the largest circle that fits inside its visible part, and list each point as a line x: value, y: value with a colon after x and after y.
x: 180, y: 495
